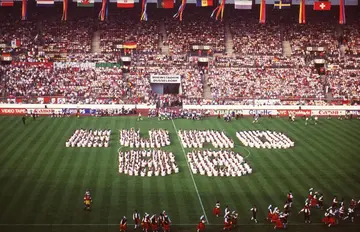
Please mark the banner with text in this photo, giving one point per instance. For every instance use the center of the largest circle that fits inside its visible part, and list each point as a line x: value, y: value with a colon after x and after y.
x: 163, y: 79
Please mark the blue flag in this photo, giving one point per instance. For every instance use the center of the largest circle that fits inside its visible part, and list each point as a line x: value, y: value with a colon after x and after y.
x: 282, y: 4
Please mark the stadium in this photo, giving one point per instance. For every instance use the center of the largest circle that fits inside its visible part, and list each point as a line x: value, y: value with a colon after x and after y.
x: 162, y: 115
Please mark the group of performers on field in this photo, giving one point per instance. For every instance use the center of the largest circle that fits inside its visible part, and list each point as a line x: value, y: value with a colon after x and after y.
x: 314, y: 200
x: 147, y: 223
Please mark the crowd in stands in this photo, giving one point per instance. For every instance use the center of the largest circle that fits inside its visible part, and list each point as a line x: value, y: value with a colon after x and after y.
x: 194, y: 31
x: 256, y: 70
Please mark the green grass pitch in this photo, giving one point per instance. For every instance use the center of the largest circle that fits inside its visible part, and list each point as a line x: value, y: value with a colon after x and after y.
x: 42, y: 182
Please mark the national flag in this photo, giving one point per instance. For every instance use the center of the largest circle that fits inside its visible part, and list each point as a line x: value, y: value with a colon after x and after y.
x: 7, y: 3
x: 262, y: 18
x: 322, y: 5
x: 243, y: 4
x: 342, y: 18
x: 204, y: 3
x: 282, y: 4
x: 45, y: 2
x: 85, y: 3
x: 15, y: 43
x: 166, y: 4
x: 129, y: 45
x: 125, y: 3
x: 302, y: 14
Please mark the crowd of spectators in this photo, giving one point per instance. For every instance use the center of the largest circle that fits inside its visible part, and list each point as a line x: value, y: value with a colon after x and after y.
x: 266, y: 83
x: 119, y: 31
x: 180, y: 36
x: 256, y: 70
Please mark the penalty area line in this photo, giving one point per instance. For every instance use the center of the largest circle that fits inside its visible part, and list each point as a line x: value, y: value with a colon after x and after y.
x: 191, y: 174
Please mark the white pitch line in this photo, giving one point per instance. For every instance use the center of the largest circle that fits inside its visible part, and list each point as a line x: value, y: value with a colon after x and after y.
x: 191, y: 174
x: 104, y: 224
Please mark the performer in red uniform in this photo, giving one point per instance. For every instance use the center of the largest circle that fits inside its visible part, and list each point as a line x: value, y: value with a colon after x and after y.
x: 290, y: 198
x: 227, y: 222
x: 166, y: 224
x: 306, y: 211
x: 145, y: 223
x: 154, y: 223
x: 123, y: 224
x: 136, y: 219
x: 275, y: 215
x: 270, y: 213
x: 334, y: 202
x: 314, y: 201
x: 217, y: 209
x: 201, y: 226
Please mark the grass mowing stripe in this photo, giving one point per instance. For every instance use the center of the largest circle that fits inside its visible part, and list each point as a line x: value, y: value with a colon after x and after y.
x: 52, y: 157
x: 18, y: 142
x: 192, y: 177
x: 8, y: 129
x: 302, y: 160
x: 319, y: 156
x: 305, y: 164
x: 329, y: 163
x: 23, y: 181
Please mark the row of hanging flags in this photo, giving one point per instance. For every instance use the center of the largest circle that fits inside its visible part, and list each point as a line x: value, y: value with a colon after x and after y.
x: 218, y: 12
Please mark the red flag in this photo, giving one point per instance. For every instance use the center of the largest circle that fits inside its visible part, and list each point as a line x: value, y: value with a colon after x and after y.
x: 322, y: 5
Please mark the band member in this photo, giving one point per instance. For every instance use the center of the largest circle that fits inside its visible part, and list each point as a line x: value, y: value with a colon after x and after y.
x: 310, y: 195
x: 306, y: 211
x: 201, y: 226
x: 270, y: 213
x: 334, y: 202
x: 123, y: 224
x: 154, y: 223
x: 278, y: 224
x: 352, y: 203
x: 87, y: 201
x: 275, y: 215
x: 331, y: 217
x: 254, y: 212
x: 314, y: 201
x: 136, y: 219
x: 227, y: 222
x: 217, y: 210
x: 286, y: 207
x: 227, y: 210
x: 161, y: 220
x: 350, y: 214
x: 341, y: 212
x: 284, y: 219
x: 321, y: 201
x: 290, y: 198
x: 234, y: 218
x: 166, y: 224
x: 140, y: 117
x: 145, y: 223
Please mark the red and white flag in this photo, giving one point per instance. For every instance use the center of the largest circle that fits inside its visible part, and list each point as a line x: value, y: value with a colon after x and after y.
x: 322, y: 5
x: 125, y: 3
